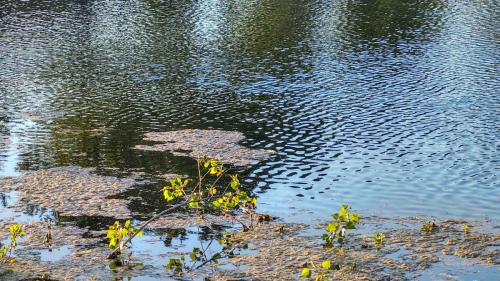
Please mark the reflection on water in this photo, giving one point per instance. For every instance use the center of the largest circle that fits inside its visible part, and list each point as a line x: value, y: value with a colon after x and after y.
x: 388, y: 105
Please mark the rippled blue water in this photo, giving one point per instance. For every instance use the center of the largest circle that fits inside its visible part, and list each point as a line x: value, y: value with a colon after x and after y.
x: 391, y: 106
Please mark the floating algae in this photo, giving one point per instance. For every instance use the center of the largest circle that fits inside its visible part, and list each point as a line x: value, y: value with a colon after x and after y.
x: 273, y: 252
x: 84, y: 257
x: 72, y: 191
x: 216, y: 144
x: 279, y: 256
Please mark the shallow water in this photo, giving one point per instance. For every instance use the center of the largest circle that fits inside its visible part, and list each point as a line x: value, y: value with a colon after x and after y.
x: 390, y: 106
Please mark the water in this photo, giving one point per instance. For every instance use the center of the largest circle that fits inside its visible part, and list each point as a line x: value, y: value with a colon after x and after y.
x: 390, y: 106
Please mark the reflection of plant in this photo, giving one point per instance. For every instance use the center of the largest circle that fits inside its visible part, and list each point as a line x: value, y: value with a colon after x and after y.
x: 337, y: 229
x: 16, y: 231
x: 176, y: 265
x: 200, y: 257
x: 320, y: 272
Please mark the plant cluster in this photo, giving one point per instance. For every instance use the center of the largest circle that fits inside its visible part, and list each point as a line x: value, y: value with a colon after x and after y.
x: 117, y: 233
x: 205, y: 193
x: 336, y: 230
x: 379, y: 239
x: 428, y: 227
x: 16, y: 231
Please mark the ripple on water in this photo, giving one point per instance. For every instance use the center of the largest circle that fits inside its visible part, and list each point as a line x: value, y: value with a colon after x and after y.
x: 391, y: 107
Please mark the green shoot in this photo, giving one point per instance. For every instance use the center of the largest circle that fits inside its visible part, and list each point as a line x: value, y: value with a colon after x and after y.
x: 337, y: 229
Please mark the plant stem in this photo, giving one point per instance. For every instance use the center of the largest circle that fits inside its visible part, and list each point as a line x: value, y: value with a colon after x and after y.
x: 146, y: 223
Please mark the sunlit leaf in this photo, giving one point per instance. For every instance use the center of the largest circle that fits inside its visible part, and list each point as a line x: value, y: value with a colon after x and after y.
x: 306, y: 272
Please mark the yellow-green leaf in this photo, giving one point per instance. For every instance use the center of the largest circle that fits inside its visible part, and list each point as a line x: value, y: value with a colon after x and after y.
x: 306, y: 272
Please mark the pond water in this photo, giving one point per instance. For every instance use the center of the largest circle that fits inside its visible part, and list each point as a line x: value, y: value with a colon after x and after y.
x: 391, y: 106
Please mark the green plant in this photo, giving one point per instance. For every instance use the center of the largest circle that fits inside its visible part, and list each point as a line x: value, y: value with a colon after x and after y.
x: 379, y: 238
x: 206, y: 192
x: 320, y: 273
x: 117, y: 233
x: 467, y: 227
x: 16, y: 231
x: 337, y: 229
x: 428, y: 226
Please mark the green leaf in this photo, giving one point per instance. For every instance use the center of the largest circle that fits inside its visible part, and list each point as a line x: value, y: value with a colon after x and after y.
x: 343, y: 212
x: 326, y: 265
x: 354, y: 218
x: 332, y: 227
x: 306, y: 272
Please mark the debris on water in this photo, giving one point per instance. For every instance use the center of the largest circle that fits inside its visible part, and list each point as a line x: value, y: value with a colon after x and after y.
x: 272, y: 251
x: 278, y: 257
x: 72, y: 191
x: 216, y: 144
x: 80, y: 255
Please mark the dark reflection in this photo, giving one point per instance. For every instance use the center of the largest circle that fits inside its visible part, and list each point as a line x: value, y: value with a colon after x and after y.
x: 390, y: 23
x: 180, y: 234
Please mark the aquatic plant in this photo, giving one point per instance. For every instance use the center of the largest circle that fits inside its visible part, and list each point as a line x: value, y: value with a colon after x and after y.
x: 428, y: 226
x: 467, y: 227
x: 16, y: 231
x: 336, y: 230
x: 206, y: 192
x: 117, y: 233
x: 379, y: 239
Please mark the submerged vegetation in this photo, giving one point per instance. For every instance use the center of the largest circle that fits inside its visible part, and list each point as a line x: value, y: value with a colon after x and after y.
x: 281, y: 253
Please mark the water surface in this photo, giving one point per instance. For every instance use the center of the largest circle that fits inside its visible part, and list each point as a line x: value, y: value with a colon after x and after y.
x: 391, y: 106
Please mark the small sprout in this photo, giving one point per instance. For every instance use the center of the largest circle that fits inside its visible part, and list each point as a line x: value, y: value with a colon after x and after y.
x: 319, y: 272
x: 428, y: 227
x: 379, y: 239
x: 337, y: 229
x: 281, y: 229
x: 48, y: 236
x: 467, y: 227
x: 15, y: 231
x: 3, y: 252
